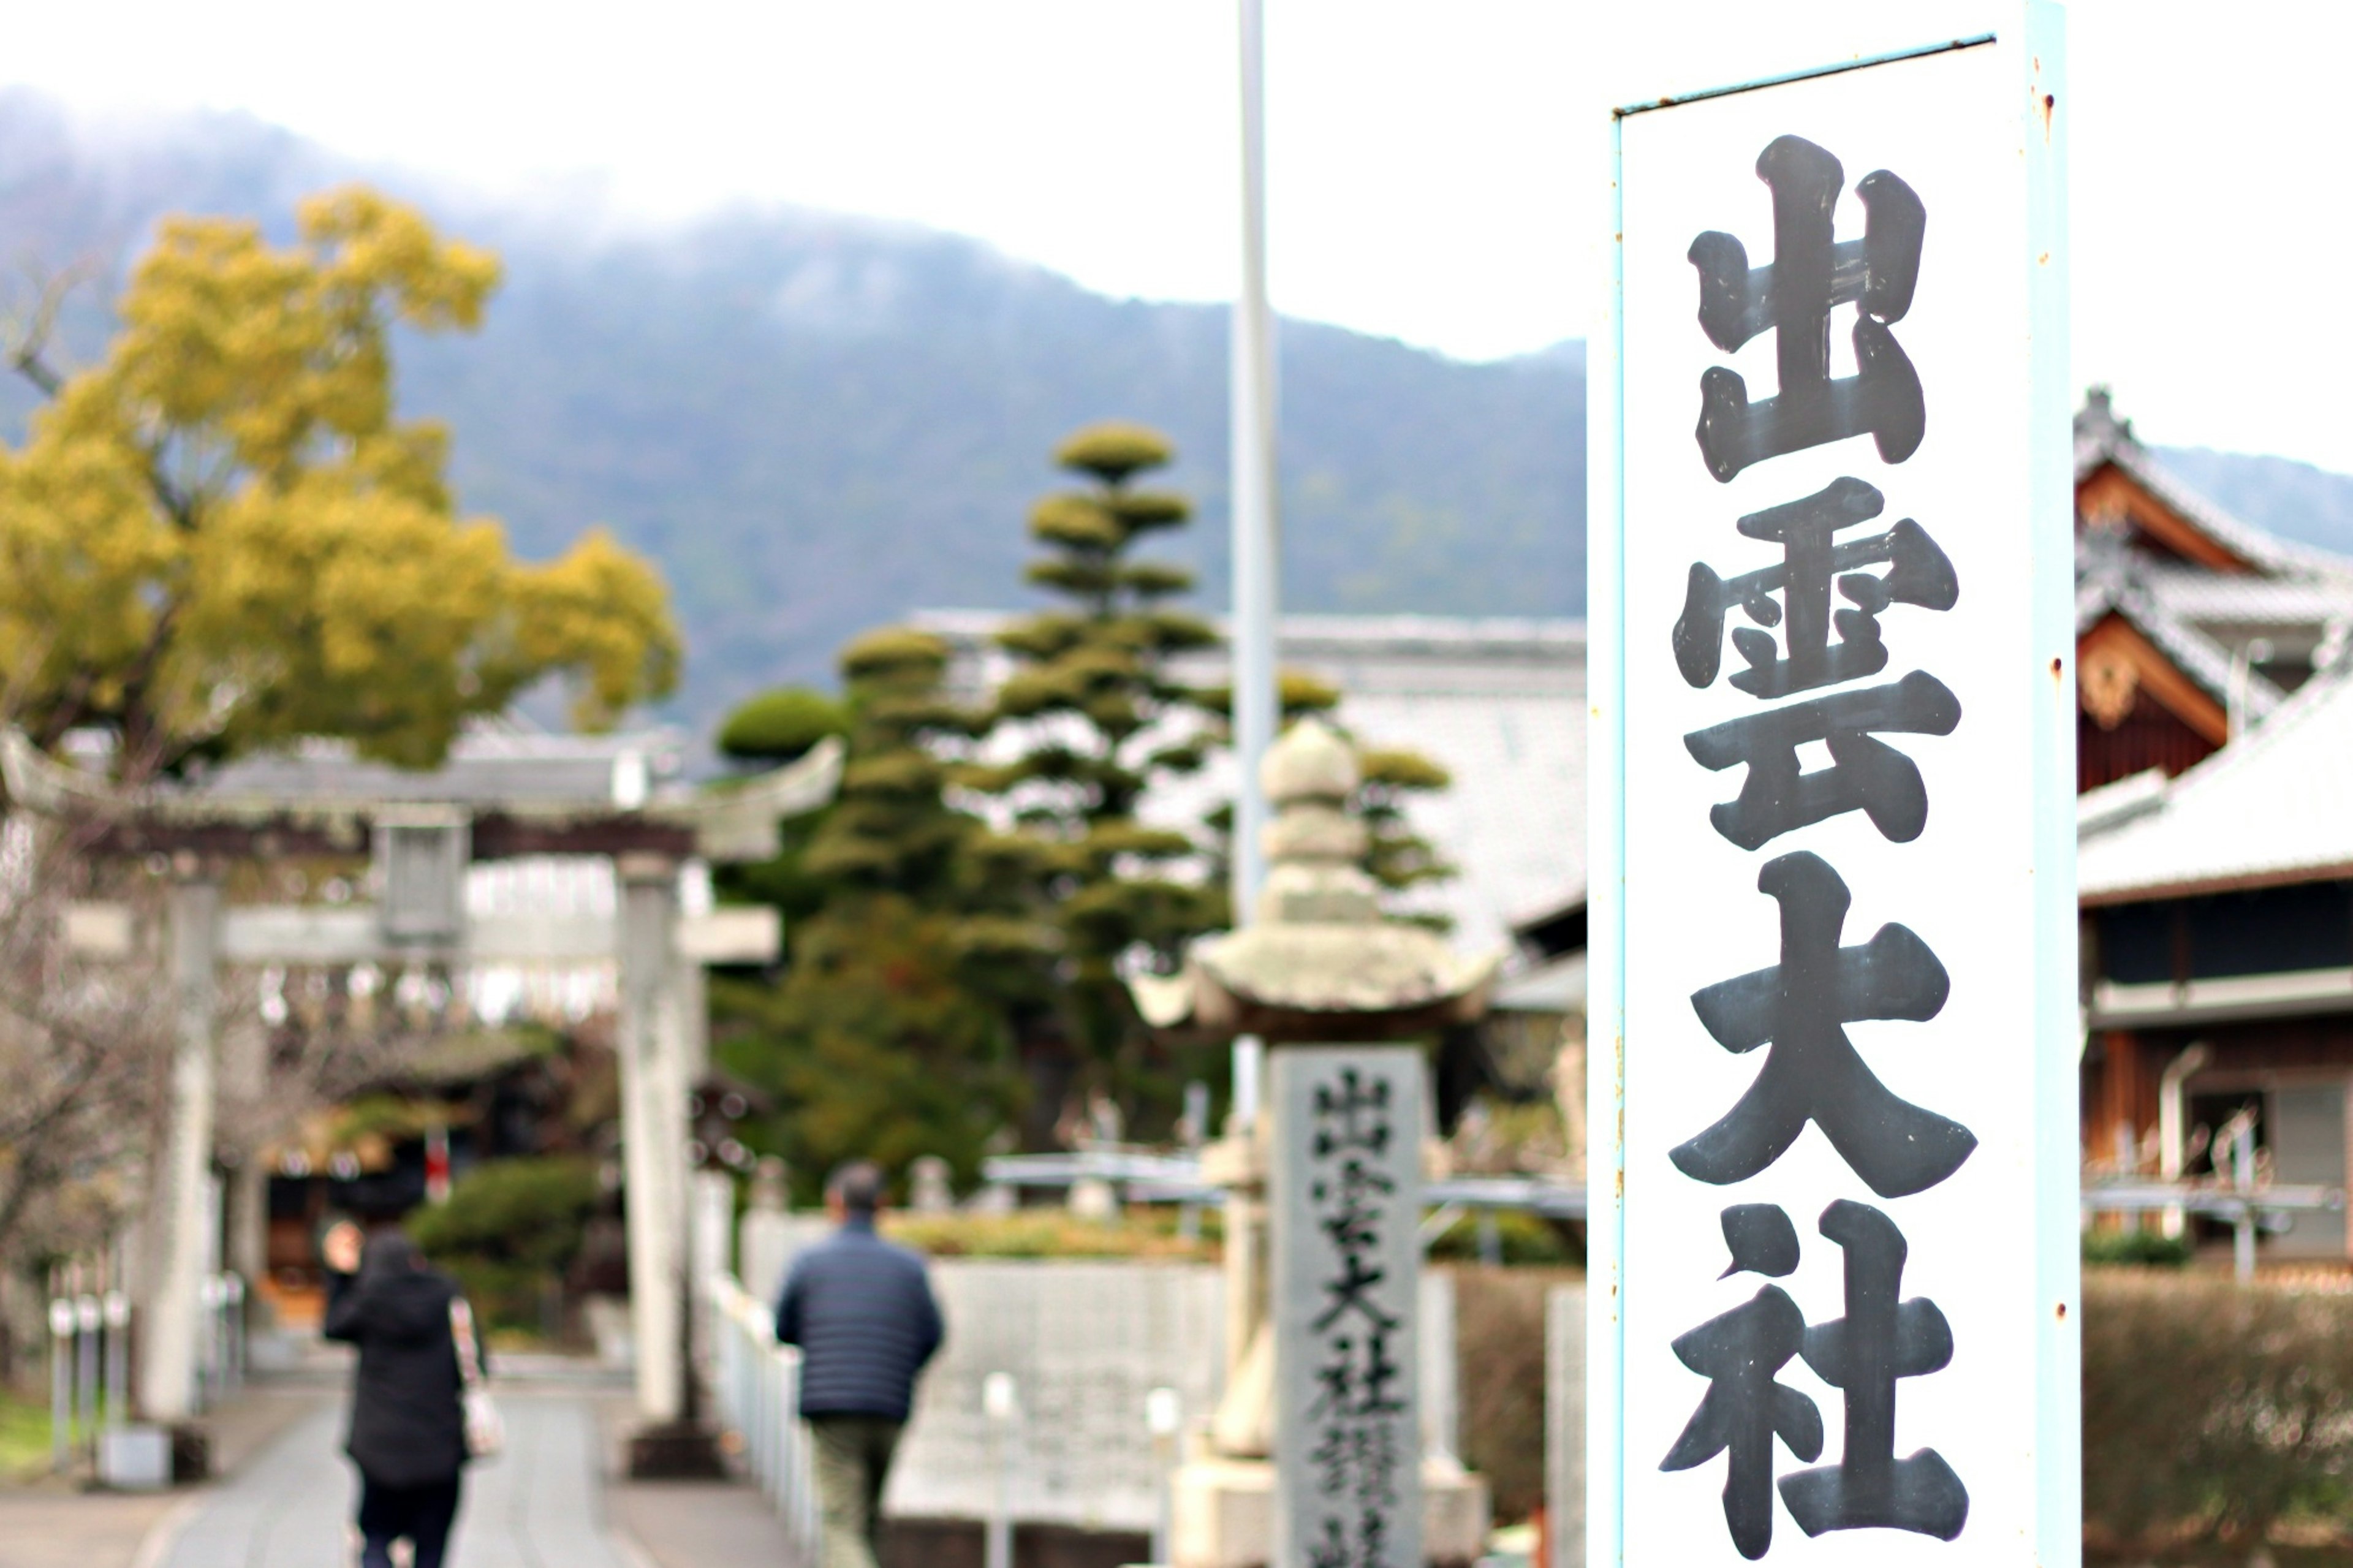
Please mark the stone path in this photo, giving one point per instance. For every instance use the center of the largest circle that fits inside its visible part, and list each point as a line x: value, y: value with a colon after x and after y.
x: 287, y: 1499
x: 540, y: 1505
x: 64, y: 1530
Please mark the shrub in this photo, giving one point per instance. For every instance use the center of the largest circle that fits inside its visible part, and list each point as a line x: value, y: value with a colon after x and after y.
x: 777, y: 726
x: 509, y: 1231
x: 2212, y: 1410
x: 1055, y: 1232
x: 2143, y: 1248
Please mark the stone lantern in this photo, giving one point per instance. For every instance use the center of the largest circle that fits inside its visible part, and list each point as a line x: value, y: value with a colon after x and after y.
x: 1320, y: 964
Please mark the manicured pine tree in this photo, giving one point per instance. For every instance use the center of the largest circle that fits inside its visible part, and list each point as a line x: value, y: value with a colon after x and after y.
x: 886, y: 1038
x: 1089, y: 716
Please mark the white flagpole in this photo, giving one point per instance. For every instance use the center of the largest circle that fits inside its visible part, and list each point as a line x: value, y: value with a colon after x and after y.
x: 1256, y: 588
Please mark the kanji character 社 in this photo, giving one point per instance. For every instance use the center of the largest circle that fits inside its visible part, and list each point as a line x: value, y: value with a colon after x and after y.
x: 1744, y: 1408
x: 1863, y: 1354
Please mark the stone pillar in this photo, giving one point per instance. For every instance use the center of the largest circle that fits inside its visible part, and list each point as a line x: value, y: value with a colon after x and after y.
x: 1243, y: 1427
x: 243, y: 1061
x: 713, y: 1240
x: 1565, y: 1426
x: 695, y: 900
x: 1442, y: 1368
x: 694, y: 987
x: 1345, y: 1195
x: 929, y: 1185
x: 654, y: 1130
x: 177, y: 1225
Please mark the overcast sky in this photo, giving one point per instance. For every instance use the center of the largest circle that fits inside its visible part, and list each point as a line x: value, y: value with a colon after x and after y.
x: 1434, y: 163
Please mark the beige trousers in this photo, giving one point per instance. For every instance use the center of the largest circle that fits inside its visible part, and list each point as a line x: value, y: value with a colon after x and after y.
x: 853, y: 1459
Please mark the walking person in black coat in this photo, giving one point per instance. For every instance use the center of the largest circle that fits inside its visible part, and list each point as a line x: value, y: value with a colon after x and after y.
x: 408, y: 1419
x: 862, y: 1312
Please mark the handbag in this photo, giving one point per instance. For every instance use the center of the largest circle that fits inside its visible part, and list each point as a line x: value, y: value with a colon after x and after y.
x: 486, y: 1431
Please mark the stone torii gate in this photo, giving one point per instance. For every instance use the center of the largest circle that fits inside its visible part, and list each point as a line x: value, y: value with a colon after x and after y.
x: 500, y: 796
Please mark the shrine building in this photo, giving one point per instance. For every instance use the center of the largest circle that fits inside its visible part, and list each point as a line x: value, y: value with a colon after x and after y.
x: 2215, y: 758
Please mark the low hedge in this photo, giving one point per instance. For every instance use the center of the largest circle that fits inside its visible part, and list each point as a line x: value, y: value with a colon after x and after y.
x: 2214, y: 1413
x: 1054, y: 1233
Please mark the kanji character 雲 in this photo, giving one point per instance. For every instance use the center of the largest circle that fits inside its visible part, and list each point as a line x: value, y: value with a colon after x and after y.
x: 1865, y: 775
x: 1918, y: 573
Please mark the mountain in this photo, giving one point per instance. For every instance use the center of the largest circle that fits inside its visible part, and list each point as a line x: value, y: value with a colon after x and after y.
x: 817, y: 424
x: 2295, y: 500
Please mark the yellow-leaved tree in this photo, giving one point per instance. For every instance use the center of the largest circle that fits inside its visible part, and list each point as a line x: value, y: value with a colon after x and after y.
x: 220, y: 537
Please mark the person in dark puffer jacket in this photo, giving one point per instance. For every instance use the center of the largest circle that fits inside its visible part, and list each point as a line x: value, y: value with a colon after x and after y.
x: 862, y: 1313
x: 408, y: 1417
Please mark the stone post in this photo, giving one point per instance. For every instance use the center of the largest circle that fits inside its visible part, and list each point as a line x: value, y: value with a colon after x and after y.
x: 244, y: 1053
x: 1322, y: 962
x: 1243, y: 1426
x: 1565, y: 1426
x: 1345, y: 1198
x: 177, y: 1225
x: 713, y: 1240
x: 654, y: 1132
x: 929, y: 1185
x: 692, y: 981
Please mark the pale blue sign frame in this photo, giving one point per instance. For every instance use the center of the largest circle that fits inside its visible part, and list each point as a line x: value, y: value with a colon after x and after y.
x: 2044, y: 100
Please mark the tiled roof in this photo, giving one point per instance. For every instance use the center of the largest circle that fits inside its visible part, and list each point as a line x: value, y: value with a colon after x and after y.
x: 2270, y: 808
x: 484, y: 765
x: 2211, y: 598
x: 2102, y: 438
x: 2196, y: 655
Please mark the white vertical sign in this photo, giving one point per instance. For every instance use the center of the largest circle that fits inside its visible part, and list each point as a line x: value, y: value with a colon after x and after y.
x: 1835, y: 1253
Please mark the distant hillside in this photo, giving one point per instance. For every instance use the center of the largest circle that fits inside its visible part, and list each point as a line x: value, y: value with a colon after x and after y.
x: 816, y: 422
x: 2292, y: 499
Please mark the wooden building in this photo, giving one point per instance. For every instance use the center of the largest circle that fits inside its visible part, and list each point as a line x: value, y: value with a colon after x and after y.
x: 2216, y: 734
x: 2190, y: 624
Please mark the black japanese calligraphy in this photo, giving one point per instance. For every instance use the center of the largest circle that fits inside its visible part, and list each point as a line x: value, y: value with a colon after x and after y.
x: 1353, y: 1225
x: 1862, y: 1355
x: 1746, y: 1408
x: 1918, y: 573
x: 1336, y: 1549
x: 1761, y: 1239
x: 1362, y: 1460
x: 1352, y: 1115
x: 1358, y: 1360
x: 1812, y: 1072
x: 1813, y: 621
x: 1811, y: 274
x: 1865, y: 775
x: 1358, y: 1381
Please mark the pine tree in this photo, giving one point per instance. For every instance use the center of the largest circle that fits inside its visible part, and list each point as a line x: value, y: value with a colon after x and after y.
x: 891, y: 830
x: 887, y: 1037
x: 1089, y: 716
